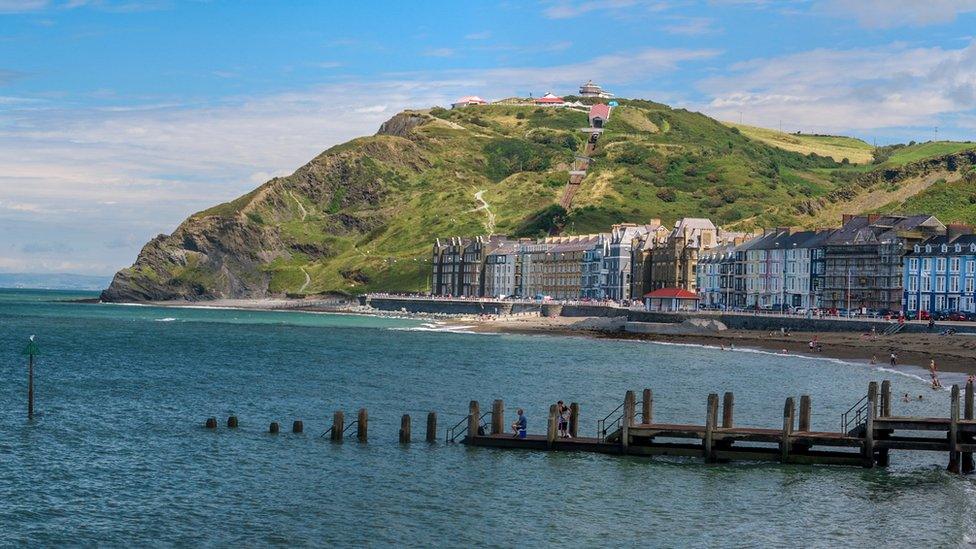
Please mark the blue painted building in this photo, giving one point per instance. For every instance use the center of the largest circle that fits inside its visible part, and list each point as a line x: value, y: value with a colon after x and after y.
x: 940, y: 274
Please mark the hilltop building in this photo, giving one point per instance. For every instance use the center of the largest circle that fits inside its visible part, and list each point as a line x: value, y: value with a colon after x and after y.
x: 599, y: 115
x: 468, y: 101
x: 589, y: 89
x: 550, y: 100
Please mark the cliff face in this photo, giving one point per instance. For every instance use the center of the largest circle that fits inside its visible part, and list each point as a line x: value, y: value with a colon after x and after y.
x: 361, y: 216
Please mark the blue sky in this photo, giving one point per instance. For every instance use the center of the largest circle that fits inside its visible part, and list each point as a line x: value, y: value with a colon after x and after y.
x: 120, y: 118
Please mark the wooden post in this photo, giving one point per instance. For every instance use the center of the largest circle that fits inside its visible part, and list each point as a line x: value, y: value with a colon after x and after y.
x: 967, y: 457
x: 574, y: 419
x: 405, y: 429
x: 232, y: 422
x: 552, y: 425
x: 432, y: 427
x: 497, y: 417
x: 711, y: 418
x: 804, y: 413
x: 297, y: 426
x: 274, y: 428
x: 955, y: 464
x: 338, y: 426
x: 647, y: 407
x: 789, y: 410
x: 362, y: 425
x: 728, y: 404
x: 211, y: 423
x: 474, y: 415
x: 868, y: 449
x: 885, y: 399
x: 627, y: 419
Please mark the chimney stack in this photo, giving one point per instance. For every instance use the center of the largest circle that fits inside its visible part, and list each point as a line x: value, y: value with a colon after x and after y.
x: 873, y: 217
x: 846, y: 218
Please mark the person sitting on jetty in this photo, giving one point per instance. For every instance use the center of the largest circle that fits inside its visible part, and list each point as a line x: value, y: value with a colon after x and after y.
x: 520, y: 424
x: 563, y: 423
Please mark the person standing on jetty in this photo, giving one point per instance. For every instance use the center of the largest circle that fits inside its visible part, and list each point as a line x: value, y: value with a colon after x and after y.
x: 520, y: 424
x: 563, y: 425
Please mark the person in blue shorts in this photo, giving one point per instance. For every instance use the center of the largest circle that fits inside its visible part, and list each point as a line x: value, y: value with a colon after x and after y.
x: 519, y: 426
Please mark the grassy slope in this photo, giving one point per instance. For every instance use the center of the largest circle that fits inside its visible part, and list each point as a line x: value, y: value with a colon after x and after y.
x: 954, y: 199
x: 652, y: 162
x: 834, y: 146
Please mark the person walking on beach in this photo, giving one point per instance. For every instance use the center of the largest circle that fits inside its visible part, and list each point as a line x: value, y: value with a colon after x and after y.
x: 894, y: 359
x: 936, y: 384
x: 520, y: 424
x: 563, y: 423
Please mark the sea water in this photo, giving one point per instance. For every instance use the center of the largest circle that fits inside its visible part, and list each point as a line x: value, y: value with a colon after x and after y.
x: 117, y: 454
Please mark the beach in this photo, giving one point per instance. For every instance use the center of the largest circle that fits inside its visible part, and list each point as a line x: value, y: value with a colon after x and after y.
x: 956, y: 353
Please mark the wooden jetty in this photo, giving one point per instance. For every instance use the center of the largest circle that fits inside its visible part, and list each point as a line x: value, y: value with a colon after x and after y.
x: 868, y: 432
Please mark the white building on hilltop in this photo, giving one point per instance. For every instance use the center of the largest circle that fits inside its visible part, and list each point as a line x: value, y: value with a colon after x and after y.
x: 593, y: 90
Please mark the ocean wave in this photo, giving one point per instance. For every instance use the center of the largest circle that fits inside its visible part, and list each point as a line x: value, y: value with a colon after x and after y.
x: 167, y: 319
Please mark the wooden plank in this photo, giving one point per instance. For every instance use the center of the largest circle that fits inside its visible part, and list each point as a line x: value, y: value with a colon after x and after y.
x: 497, y: 416
x: 711, y: 417
x: 955, y: 464
x: 728, y: 403
x: 788, y: 414
x: 647, y: 407
x: 804, y: 413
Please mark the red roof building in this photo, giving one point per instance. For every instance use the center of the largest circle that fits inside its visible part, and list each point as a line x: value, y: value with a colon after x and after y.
x: 671, y: 299
x: 550, y: 99
x: 599, y: 114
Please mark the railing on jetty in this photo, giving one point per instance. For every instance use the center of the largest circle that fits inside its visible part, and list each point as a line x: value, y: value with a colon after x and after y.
x: 868, y: 432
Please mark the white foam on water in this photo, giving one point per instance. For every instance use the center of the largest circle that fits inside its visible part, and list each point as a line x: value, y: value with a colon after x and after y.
x: 167, y: 319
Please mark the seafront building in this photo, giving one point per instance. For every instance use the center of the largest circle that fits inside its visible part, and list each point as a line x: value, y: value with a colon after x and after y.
x: 939, y: 273
x: 863, y: 259
x: 617, y: 262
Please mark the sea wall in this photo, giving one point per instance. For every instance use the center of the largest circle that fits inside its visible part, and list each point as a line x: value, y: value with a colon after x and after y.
x: 447, y: 306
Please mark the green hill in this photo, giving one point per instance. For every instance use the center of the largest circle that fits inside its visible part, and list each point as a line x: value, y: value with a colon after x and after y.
x: 362, y: 215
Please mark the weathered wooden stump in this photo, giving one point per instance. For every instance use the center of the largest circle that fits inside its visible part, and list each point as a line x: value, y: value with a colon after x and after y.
x: 647, y: 407
x: 405, y: 429
x: 362, y: 425
x: 211, y: 423
x: 274, y: 428
x: 711, y: 417
x: 232, y: 422
x: 474, y: 417
x: 497, y: 417
x: 789, y: 414
x: 967, y: 457
x: 728, y: 408
x: 338, y: 426
x: 867, y: 451
x: 552, y: 425
x: 432, y: 427
x: 955, y: 463
x: 574, y: 419
x: 297, y: 426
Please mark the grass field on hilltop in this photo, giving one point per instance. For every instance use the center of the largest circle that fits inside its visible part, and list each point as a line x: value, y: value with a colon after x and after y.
x: 835, y: 146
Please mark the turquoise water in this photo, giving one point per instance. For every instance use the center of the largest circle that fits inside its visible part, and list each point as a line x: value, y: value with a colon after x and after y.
x: 117, y: 454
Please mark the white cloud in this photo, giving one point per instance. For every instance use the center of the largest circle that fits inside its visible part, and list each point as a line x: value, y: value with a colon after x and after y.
x: 567, y: 9
x: 439, y: 52
x: 884, y: 14
x: 691, y: 26
x: 484, y: 35
x: 832, y: 90
x: 20, y: 6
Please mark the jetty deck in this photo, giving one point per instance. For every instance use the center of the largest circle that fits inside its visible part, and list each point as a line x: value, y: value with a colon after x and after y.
x: 867, y: 433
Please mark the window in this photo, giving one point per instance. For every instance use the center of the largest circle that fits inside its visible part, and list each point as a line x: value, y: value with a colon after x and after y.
x: 928, y: 248
x: 958, y: 248
x: 913, y: 264
x: 945, y: 248
x: 940, y: 303
x: 912, y: 283
x: 969, y: 285
x: 940, y: 264
x: 926, y: 284
x: 918, y: 248
x: 970, y: 265
x: 954, y: 265
x: 953, y: 283
x: 912, y: 302
x: 940, y: 284
x: 926, y: 264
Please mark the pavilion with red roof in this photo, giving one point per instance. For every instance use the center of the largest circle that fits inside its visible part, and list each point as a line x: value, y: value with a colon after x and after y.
x: 671, y: 299
x: 550, y: 100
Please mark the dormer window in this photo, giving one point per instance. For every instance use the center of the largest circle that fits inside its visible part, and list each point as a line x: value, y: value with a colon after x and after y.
x: 928, y: 248
x: 972, y: 248
x: 945, y: 248
x: 958, y: 248
x: 918, y: 248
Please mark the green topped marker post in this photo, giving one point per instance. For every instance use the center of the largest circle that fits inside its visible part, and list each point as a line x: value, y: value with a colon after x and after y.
x: 31, y: 352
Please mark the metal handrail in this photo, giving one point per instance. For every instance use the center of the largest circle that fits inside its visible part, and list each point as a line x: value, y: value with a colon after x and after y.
x: 354, y: 422
x: 601, y: 425
x: 859, y: 409
x: 453, y: 433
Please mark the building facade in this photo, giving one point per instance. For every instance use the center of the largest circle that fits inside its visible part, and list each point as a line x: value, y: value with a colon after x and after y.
x: 863, y: 259
x: 940, y: 275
